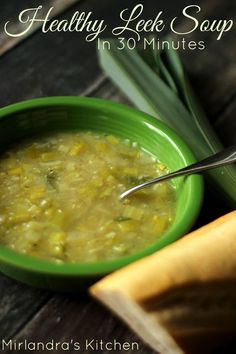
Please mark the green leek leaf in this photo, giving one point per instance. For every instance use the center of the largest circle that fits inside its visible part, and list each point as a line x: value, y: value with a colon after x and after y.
x: 156, y: 83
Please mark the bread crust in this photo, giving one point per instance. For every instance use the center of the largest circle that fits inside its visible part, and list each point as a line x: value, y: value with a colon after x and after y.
x: 186, y: 290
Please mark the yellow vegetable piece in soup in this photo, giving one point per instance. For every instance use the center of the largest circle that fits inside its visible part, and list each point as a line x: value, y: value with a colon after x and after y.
x: 59, y: 198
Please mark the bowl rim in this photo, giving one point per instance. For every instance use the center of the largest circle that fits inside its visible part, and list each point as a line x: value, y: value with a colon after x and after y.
x: 14, y: 259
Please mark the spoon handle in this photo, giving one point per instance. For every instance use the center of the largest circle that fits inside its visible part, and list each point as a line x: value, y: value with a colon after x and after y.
x: 224, y: 157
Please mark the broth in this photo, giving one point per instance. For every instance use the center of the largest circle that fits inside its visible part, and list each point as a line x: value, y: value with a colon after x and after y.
x: 59, y: 198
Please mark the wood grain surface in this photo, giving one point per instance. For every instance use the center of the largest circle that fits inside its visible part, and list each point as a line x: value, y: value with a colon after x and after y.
x: 10, y: 14
x: 64, y: 64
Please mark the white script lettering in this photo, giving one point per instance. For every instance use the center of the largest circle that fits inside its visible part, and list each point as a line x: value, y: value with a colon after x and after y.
x: 156, y: 25
x: 219, y: 26
x: 79, y: 22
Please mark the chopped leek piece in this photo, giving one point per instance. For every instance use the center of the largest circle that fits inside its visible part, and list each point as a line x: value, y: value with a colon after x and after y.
x: 122, y: 218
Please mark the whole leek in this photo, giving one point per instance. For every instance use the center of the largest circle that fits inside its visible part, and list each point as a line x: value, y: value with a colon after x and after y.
x: 157, y: 84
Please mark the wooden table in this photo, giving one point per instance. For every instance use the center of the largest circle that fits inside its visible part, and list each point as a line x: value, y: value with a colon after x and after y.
x: 63, y: 64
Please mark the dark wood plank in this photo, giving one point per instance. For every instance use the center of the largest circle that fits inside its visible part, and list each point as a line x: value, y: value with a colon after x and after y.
x: 226, y: 123
x: 79, y: 318
x: 18, y: 303
x: 11, y: 13
x: 213, y: 70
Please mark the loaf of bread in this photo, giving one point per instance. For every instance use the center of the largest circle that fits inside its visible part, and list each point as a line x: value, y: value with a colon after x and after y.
x: 181, y: 299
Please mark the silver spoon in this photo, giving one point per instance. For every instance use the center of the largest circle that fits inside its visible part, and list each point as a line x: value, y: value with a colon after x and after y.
x: 222, y: 158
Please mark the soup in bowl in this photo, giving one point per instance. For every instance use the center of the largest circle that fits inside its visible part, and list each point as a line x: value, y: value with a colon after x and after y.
x: 64, y: 162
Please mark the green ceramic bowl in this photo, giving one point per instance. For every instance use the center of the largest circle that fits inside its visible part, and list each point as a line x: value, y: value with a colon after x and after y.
x: 65, y: 113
